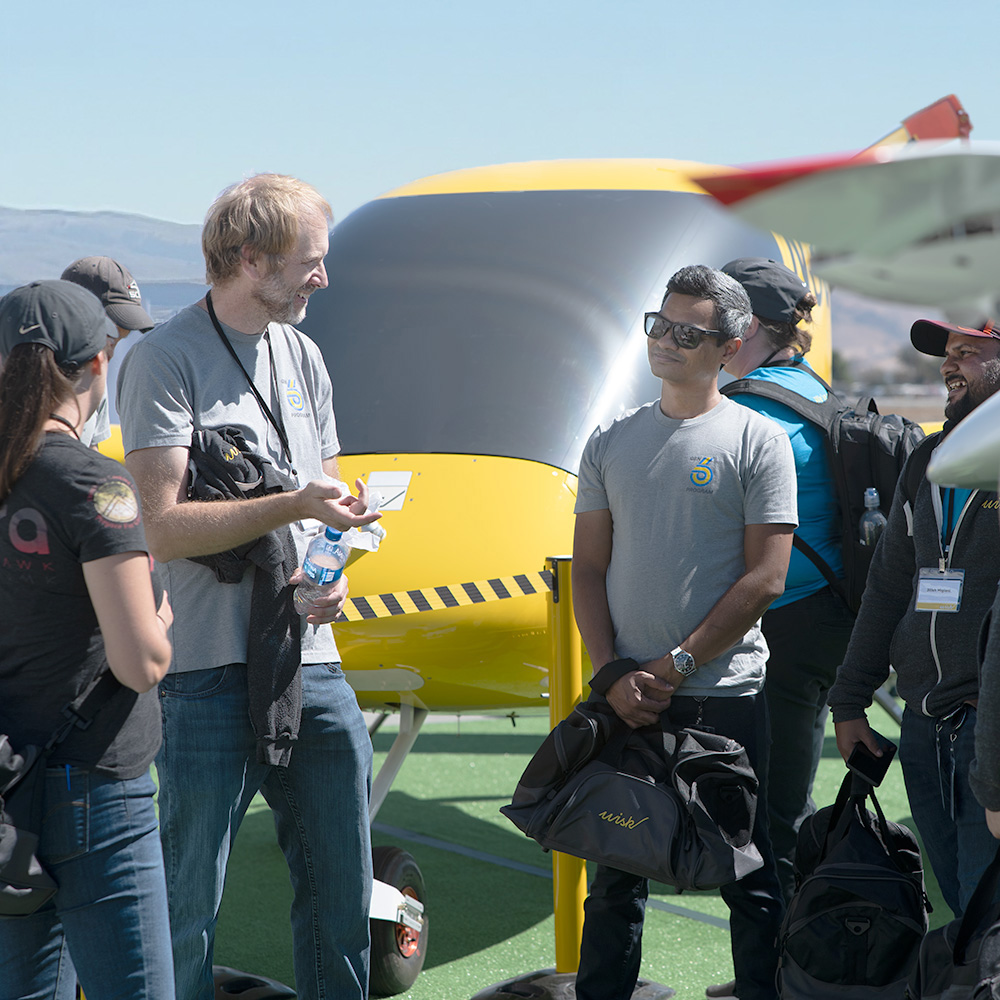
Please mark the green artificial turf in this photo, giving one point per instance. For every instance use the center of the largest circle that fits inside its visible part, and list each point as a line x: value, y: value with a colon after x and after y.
x: 490, y: 922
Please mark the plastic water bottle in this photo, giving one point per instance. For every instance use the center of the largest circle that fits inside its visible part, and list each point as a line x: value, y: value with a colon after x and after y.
x: 872, y: 520
x: 324, y: 562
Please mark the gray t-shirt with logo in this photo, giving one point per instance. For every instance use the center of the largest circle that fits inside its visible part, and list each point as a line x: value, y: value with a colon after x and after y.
x: 680, y: 493
x: 180, y: 378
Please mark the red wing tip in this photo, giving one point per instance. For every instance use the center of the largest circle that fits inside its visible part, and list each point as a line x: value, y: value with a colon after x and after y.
x: 745, y: 182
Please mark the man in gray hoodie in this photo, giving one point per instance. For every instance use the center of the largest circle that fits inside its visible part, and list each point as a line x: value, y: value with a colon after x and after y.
x: 933, y: 577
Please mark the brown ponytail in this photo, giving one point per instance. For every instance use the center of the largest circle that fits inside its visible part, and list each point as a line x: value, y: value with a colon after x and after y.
x: 789, y: 334
x: 32, y: 386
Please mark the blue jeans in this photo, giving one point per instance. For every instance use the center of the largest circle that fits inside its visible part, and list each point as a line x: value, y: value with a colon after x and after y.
x: 611, y: 951
x: 107, y: 923
x: 807, y: 640
x: 936, y: 755
x: 208, y: 777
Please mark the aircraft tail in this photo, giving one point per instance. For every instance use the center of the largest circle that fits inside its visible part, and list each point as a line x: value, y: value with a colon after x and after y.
x: 944, y: 119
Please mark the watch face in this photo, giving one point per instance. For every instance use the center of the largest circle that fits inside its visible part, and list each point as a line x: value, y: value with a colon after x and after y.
x: 683, y: 663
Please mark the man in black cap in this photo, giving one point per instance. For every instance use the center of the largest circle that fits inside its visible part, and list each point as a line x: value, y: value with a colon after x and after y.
x: 808, y: 627
x: 932, y: 579
x: 122, y: 301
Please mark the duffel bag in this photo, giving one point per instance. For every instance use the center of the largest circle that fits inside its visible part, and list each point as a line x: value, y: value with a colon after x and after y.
x: 676, y: 806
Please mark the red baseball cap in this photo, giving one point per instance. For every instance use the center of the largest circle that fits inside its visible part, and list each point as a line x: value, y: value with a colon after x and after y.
x: 930, y: 337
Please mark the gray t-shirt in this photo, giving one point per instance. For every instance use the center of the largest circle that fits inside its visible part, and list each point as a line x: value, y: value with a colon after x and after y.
x: 180, y: 378
x: 680, y: 493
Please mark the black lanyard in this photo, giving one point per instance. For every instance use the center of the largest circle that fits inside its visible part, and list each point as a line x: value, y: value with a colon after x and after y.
x: 277, y: 424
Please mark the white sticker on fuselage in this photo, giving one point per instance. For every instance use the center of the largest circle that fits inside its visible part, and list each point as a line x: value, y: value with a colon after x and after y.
x: 392, y: 485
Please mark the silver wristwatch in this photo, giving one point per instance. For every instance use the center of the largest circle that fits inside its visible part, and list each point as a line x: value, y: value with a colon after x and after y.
x: 683, y: 662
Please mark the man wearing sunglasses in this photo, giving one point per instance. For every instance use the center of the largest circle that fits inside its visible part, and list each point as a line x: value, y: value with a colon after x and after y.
x: 685, y: 514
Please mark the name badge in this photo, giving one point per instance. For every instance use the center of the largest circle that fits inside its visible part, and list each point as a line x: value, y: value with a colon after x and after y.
x: 939, y: 589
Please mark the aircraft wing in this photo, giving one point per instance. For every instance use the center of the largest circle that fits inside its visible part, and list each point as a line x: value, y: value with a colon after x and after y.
x: 944, y: 119
x: 915, y: 223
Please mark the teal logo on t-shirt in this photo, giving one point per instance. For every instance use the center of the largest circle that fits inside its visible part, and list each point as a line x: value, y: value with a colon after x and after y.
x: 701, y: 474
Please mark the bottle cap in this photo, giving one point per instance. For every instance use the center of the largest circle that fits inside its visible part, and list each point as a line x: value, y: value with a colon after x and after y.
x: 333, y: 534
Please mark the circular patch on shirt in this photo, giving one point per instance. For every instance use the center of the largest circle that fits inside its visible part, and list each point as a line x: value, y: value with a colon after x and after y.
x: 115, y: 501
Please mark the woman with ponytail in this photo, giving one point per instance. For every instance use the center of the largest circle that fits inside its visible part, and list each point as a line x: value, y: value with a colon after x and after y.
x: 77, y: 597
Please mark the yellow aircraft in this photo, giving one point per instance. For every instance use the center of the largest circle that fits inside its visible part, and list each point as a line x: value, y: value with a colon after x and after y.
x: 478, y: 326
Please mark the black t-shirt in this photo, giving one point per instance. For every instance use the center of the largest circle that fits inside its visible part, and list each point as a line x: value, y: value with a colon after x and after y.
x: 72, y: 505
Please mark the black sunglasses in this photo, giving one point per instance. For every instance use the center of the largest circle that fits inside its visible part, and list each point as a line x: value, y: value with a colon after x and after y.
x: 683, y: 334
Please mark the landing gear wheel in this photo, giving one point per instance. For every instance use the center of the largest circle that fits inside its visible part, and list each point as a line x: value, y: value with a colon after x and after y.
x: 398, y: 951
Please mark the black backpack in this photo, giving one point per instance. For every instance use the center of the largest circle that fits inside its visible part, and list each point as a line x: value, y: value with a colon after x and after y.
x: 865, y: 448
x: 854, y: 925
x: 955, y: 958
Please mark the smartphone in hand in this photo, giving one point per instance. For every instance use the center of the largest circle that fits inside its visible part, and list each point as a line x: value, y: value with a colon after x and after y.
x: 863, y: 762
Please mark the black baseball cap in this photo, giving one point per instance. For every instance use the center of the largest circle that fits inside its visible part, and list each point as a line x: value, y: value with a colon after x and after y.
x: 931, y: 337
x: 774, y: 290
x: 64, y: 317
x: 115, y: 287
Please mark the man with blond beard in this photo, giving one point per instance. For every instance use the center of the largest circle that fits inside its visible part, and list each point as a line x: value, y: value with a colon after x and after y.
x: 255, y: 699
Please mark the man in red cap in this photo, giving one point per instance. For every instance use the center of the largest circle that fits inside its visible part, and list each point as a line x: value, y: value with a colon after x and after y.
x: 122, y: 301
x: 932, y: 579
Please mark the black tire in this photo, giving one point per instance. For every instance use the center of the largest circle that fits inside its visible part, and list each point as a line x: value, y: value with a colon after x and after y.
x: 398, y: 953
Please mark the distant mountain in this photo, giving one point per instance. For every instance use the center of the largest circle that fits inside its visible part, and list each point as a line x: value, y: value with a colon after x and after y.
x: 40, y: 243
x: 166, y: 260
x: 164, y: 257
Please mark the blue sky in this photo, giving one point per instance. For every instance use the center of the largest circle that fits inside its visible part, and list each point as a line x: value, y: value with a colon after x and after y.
x: 155, y: 108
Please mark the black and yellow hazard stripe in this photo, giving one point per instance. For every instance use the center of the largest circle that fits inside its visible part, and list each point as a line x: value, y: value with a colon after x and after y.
x: 455, y: 595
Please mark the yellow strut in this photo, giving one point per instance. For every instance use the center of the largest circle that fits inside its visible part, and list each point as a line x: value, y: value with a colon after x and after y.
x: 569, y: 874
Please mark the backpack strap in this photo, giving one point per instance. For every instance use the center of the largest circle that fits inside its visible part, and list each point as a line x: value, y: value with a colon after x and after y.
x: 916, y: 468
x: 851, y: 802
x: 822, y: 414
x: 79, y: 713
x: 839, y: 815
x: 836, y: 584
x: 887, y: 839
